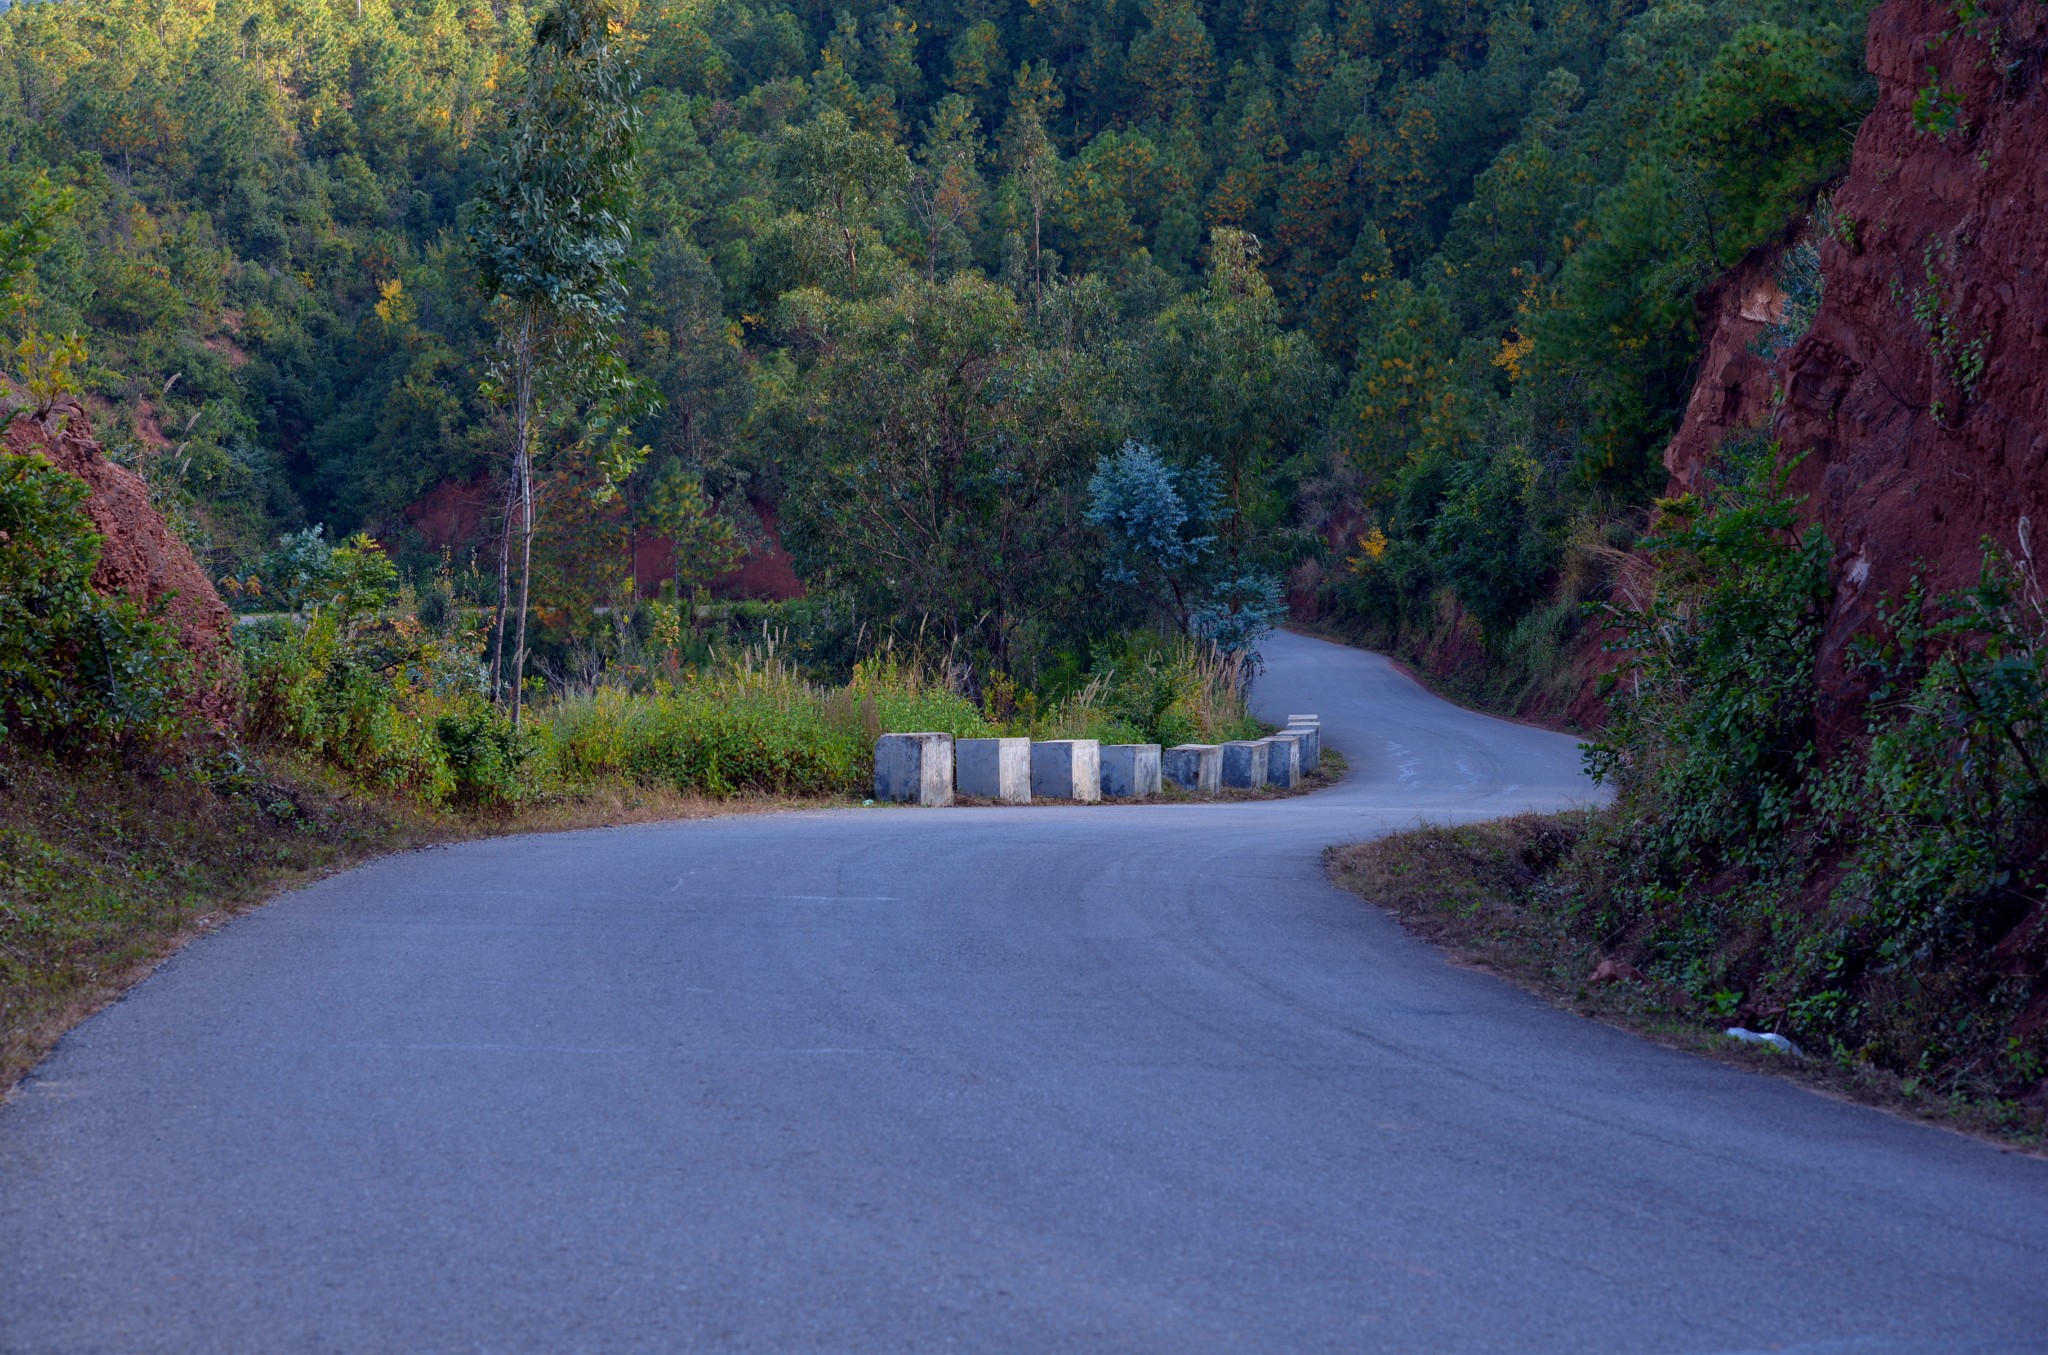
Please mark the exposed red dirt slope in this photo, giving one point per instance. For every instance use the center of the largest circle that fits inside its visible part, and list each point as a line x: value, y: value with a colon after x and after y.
x: 140, y: 556
x: 456, y: 517
x: 1735, y: 385
x: 1919, y: 397
x: 1913, y: 457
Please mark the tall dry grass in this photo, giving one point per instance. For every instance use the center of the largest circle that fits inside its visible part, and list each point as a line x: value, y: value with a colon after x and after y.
x: 750, y: 721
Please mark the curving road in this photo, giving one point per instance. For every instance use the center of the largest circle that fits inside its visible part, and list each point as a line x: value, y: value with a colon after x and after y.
x: 1057, y: 1079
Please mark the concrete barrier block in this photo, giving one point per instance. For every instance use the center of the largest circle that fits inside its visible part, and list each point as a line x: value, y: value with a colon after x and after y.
x: 1244, y: 763
x: 914, y: 769
x: 1312, y: 746
x: 1066, y: 769
x: 1283, y: 760
x: 1130, y: 771
x: 1194, y: 766
x: 993, y: 769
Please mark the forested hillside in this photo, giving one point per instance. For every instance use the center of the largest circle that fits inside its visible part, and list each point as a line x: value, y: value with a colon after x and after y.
x: 1395, y: 298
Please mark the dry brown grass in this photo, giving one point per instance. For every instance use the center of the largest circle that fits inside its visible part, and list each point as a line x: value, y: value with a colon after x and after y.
x: 108, y: 866
x: 1489, y: 895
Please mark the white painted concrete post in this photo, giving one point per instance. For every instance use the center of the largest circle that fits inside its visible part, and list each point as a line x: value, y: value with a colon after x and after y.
x: 994, y: 769
x: 1283, y: 760
x: 1312, y: 749
x: 914, y: 769
x: 1194, y: 766
x: 1130, y: 771
x: 1066, y: 769
x: 1244, y: 764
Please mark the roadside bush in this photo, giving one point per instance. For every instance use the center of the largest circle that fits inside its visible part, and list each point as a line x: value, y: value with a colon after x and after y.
x: 401, y: 709
x: 1712, y: 727
x: 1886, y: 902
x: 1154, y: 690
x: 1940, y: 907
x: 1952, y: 793
x: 320, y: 688
x: 489, y: 762
x: 373, y: 692
x: 698, y: 738
x: 750, y: 723
x: 75, y: 668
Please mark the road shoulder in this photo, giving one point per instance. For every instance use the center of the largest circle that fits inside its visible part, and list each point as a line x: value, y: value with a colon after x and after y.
x: 1479, y: 893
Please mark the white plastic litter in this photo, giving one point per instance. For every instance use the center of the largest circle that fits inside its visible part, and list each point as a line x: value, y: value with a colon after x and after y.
x: 1759, y: 1037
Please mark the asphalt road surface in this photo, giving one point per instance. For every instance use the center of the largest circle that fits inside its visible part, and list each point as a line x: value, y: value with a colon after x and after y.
x: 1046, y: 1079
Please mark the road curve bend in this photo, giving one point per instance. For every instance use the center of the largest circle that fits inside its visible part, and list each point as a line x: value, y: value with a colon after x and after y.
x: 1036, y: 1080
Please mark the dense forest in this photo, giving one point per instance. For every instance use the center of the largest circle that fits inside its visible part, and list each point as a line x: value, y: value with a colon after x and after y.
x: 1030, y: 321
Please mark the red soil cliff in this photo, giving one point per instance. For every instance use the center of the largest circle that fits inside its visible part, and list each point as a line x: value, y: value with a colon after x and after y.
x: 140, y: 556
x: 458, y: 517
x: 1735, y: 385
x: 1919, y: 397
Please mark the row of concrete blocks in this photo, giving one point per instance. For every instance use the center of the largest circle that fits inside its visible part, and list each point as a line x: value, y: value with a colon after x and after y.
x: 928, y: 769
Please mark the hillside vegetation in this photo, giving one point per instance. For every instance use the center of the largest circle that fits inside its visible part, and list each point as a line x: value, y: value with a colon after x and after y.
x: 1403, y: 294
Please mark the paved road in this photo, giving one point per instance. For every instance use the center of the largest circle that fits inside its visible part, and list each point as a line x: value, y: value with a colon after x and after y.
x: 1032, y: 1080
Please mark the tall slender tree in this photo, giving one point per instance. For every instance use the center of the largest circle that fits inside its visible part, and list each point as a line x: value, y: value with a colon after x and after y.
x: 946, y: 188
x: 549, y: 231
x: 1034, y: 162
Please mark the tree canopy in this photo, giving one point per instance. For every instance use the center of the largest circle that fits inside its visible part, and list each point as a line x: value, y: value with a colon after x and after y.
x: 906, y: 274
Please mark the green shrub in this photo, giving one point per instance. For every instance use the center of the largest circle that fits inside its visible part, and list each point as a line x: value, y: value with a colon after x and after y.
x: 489, y: 762
x: 750, y: 724
x: 373, y: 692
x: 1712, y: 730
x: 316, y: 685
x: 75, y: 668
x: 1149, y: 689
x: 1946, y: 812
x: 1884, y: 903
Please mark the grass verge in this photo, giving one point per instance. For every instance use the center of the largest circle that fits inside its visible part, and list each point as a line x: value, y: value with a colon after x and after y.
x: 108, y: 865
x: 1488, y: 894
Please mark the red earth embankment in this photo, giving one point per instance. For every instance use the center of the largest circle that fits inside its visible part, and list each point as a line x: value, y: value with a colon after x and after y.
x: 140, y: 557
x: 1916, y: 404
x: 1919, y: 398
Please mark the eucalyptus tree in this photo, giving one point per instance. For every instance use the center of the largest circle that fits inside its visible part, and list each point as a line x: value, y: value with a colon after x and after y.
x: 549, y: 232
x: 938, y: 460
x: 946, y: 192
x: 1034, y: 164
x: 840, y: 177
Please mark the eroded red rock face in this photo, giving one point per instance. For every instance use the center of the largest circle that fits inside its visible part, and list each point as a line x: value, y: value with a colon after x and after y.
x: 1735, y: 383
x: 458, y: 517
x: 1908, y: 461
x: 453, y: 516
x: 140, y: 557
x: 765, y: 572
x: 1919, y: 397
